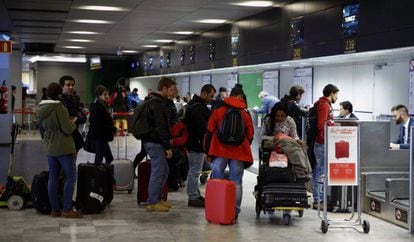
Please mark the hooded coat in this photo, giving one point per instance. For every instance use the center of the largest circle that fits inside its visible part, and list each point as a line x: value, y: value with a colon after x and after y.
x: 240, y: 152
x: 58, y: 128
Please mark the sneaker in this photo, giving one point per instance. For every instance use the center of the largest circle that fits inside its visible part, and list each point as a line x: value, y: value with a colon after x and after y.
x: 71, y: 214
x: 196, y: 203
x: 157, y: 207
x: 56, y: 214
x: 165, y: 204
x: 201, y: 198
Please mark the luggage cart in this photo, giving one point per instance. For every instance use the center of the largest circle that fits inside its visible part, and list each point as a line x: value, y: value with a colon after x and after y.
x: 342, y: 170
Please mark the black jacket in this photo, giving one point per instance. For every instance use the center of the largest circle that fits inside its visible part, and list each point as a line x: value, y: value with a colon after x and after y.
x: 72, y: 104
x: 295, y: 112
x: 158, y: 118
x: 101, y: 124
x: 197, y: 115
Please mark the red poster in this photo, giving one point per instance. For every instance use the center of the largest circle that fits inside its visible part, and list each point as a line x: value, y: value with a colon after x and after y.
x: 342, y: 173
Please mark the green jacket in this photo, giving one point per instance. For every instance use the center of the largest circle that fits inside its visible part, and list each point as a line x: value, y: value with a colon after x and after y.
x: 54, y: 119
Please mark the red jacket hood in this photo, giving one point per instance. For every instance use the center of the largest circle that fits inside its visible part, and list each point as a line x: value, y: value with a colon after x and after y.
x: 236, y: 102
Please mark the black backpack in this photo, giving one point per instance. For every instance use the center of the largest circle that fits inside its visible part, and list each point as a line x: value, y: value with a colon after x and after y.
x: 231, y: 129
x: 312, y: 124
x: 141, y: 124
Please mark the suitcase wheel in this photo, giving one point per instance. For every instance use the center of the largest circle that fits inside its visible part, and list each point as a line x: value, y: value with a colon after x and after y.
x: 130, y: 191
x: 15, y: 203
x: 300, y: 213
x: 286, y: 219
x: 365, y: 226
x: 203, y: 178
x: 324, y: 226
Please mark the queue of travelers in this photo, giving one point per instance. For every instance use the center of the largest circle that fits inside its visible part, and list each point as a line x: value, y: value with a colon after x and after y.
x: 179, y: 141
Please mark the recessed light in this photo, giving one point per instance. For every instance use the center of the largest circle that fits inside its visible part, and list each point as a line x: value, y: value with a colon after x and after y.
x: 211, y: 21
x: 73, y: 47
x: 80, y: 40
x: 164, y: 40
x: 260, y: 4
x: 81, y: 32
x: 150, y: 46
x: 183, y: 32
x: 91, y: 21
x: 129, y: 51
x: 101, y: 8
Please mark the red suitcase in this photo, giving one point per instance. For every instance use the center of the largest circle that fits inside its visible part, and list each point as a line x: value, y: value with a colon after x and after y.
x: 341, y: 149
x: 220, y: 203
x: 144, y: 173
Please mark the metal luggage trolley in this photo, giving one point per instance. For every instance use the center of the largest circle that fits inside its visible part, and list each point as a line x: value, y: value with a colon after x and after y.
x: 342, y: 169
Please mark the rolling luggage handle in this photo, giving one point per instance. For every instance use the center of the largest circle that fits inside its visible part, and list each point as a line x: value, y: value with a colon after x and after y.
x: 126, y: 145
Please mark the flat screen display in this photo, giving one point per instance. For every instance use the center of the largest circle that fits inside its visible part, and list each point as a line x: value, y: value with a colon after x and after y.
x: 297, y: 28
x: 235, y: 45
x: 350, y: 20
x: 95, y: 63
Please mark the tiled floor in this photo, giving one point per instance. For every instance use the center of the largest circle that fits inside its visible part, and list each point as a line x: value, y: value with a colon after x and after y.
x: 125, y: 221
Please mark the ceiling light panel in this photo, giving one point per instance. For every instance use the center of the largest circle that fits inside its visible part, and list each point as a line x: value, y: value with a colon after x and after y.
x: 260, y: 4
x: 129, y: 51
x: 150, y: 46
x: 211, y: 21
x: 101, y: 8
x: 183, y: 32
x: 164, y: 40
x: 72, y: 47
x: 91, y: 21
x: 81, y: 40
x: 82, y: 32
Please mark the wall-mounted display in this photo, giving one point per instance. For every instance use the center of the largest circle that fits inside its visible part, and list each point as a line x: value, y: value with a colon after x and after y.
x: 211, y: 50
x: 182, y: 56
x: 95, y: 63
x: 162, y: 62
x: 145, y: 65
x: 168, y: 60
x: 151, y: 62
x: 192, y: 54
x: 297, y: 31
x: 235, y: 44
x: 350, y: 20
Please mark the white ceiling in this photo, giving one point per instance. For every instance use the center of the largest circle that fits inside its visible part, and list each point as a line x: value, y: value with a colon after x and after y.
x: 45, y: 23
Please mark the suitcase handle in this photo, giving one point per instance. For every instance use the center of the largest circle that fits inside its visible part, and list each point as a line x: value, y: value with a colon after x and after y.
x: 126, y: 145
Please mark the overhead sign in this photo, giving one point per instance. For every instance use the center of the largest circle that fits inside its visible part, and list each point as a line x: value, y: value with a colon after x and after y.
x: 5, y: 47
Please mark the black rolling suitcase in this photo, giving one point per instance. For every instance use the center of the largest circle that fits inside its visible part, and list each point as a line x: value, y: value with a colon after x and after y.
x: 95, y: 187
x: 340, y: 198
x: 284, y: 195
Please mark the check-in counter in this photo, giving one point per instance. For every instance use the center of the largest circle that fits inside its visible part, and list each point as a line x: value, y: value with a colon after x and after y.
x: 385, y: 174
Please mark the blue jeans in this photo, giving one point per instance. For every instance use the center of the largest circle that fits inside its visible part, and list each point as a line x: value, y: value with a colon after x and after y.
x: 102, y: 150
x: 67, y: 163
x: 319, y: 169
x: 159, y: 171
x: 195, y: 165
x: 236, y: 175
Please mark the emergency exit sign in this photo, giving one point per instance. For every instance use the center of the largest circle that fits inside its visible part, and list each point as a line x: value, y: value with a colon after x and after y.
x: 5, y: 46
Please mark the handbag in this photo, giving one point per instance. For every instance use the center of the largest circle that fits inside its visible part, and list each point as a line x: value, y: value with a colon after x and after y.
x: 78, y: 139
x: 89, y: 145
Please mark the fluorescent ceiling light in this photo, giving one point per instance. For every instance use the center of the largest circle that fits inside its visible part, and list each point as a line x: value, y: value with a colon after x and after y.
x: 57, y: 58
x: 101, y: 8
x: 150, y: 46
x: 91, y: 21
x: 183, y: 32
x: 72, y: 47
x: 129, y: 51
x: 211, y: 21
x: 164, y: 40
x: 80, y: 40
x: 260, y: 4
x: 81, y: 32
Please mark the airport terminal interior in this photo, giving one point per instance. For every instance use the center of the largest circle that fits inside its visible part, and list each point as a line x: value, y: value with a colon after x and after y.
x: 364, y: 48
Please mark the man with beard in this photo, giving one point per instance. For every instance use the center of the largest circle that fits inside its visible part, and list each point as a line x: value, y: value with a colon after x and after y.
x: 401, y: 117
x: 324, y: 115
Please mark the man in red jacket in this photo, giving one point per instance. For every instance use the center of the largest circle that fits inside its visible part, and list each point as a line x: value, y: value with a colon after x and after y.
x: 324, y: 115
x: 238, y: 157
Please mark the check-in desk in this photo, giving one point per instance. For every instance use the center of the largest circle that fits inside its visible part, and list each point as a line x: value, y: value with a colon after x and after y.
x: 385, y: 175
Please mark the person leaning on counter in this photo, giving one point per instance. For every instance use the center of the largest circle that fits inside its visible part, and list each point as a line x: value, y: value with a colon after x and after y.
x: 401, y: 117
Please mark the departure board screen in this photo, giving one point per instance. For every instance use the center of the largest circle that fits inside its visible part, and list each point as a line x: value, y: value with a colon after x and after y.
x: 350, y: 20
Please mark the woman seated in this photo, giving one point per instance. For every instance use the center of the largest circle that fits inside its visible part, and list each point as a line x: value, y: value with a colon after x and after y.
x: 277, y: 122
